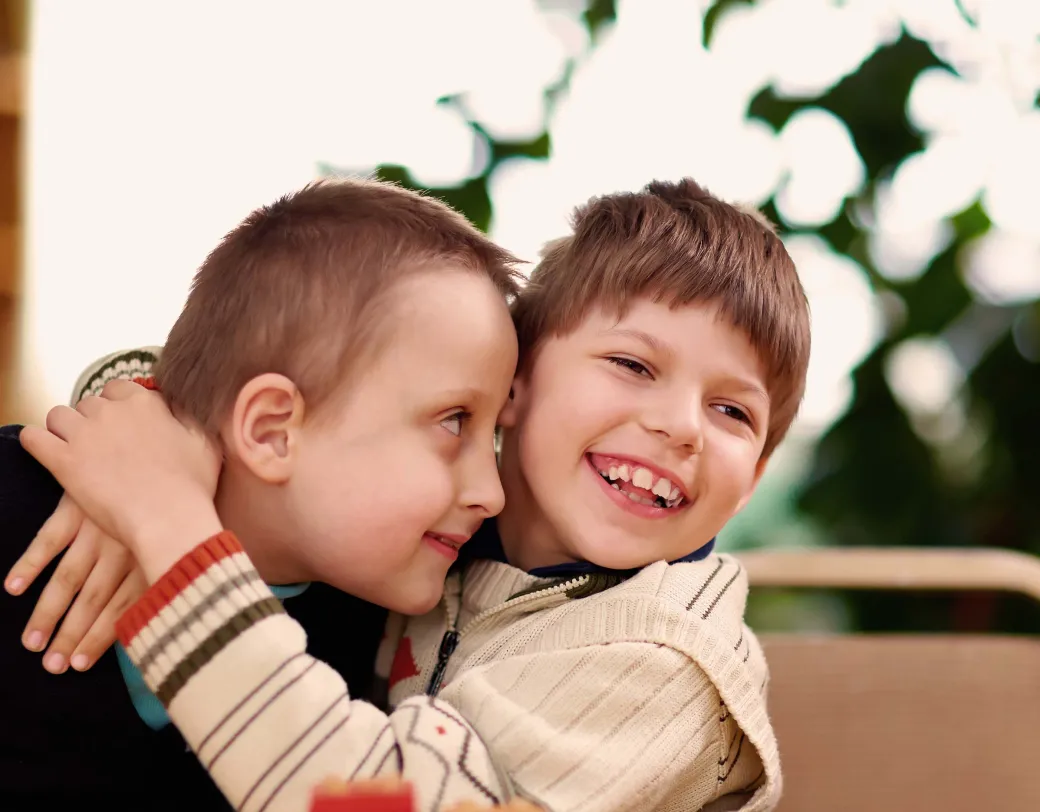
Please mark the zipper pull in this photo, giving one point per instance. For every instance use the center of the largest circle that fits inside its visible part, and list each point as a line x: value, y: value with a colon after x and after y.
x: 449, y: 643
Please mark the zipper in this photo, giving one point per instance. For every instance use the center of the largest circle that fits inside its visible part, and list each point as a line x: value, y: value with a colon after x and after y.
x: 451, y: 638
x: 449, y: 643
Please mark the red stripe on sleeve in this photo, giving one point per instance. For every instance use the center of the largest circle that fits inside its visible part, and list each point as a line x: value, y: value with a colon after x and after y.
x: 173, y: 582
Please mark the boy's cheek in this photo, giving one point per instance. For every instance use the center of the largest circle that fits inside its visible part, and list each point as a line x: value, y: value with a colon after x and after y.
x: 584, y: 397
x: 742, y: 477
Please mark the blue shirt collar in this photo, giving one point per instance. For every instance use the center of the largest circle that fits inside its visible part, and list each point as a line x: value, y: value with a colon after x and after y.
x: 147, y: 705
x: 286, y: 591
x: 486, y: 544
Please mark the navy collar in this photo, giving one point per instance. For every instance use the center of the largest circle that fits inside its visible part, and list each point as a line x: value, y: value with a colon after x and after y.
x: 486, y: 544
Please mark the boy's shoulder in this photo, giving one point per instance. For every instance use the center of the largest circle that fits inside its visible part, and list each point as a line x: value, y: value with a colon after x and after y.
x: 714, y: 586
x: 713, y: 589
x: 682, y: 605
x: 667, y: 603
x: 691, y: 609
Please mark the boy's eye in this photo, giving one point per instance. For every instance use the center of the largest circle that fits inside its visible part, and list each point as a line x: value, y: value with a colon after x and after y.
x: 629, y: 364
x: 455, y: 421
x: 734, y: 412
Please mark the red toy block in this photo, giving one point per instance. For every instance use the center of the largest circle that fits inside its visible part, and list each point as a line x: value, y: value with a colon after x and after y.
x: 364, y: 800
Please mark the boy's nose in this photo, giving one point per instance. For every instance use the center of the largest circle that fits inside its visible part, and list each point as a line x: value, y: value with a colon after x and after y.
x: 482, y: 487
x: 679, y: 419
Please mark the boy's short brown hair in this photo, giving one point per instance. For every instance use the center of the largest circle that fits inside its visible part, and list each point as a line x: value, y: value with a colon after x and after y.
x: 295, y: 289
x: 677, y: 244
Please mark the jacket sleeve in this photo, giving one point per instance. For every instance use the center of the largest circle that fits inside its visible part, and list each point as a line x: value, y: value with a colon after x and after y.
x: 268, y: 721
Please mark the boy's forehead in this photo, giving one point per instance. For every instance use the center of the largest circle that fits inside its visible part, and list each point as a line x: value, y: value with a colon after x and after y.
x: 650, y: 317
x: 445, y: 323
x: 673, y: 328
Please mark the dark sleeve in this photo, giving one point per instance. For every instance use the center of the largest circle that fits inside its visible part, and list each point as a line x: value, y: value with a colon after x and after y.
x: 79, y: 741
x: 28, y: 495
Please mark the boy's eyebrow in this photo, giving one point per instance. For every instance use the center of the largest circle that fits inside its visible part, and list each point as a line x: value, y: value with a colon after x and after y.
x: 468, y: 394
x: 652, y: 341
x: 752, y: 389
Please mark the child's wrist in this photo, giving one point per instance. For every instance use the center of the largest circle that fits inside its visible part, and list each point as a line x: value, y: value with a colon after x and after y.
x: 165, y: 539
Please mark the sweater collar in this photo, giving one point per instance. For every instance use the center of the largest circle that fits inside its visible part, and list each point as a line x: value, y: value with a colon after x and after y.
x: 486, y: 544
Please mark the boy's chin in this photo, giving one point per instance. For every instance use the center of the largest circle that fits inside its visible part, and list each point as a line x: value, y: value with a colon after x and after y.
x: 417, y: 601
x: 616, y: 550
x: 614, y: 553
x: 405, y: 595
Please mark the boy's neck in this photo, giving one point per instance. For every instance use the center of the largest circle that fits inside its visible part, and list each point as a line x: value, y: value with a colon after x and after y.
x: 528, y: 540
x: 516, y: 533
x: 244, y: 512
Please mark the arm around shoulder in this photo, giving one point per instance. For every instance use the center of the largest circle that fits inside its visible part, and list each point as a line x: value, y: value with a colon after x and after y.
x: 268, y: 721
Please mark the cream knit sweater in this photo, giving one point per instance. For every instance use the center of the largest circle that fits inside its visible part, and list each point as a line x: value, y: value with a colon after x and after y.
x: 645, y: 696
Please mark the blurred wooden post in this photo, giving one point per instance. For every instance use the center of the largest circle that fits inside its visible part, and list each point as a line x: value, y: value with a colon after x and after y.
x: 12, y: 92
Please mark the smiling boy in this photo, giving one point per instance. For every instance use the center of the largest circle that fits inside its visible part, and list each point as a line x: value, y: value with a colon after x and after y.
x: 594, y: 655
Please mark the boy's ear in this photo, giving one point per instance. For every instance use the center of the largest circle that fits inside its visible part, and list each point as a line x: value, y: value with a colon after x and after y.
x: 759, y: 470
x: 510, y: 412
x: 264, y: 427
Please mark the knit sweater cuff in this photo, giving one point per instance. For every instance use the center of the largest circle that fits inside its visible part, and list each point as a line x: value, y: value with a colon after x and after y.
x: 202, y: 603
x: 128, y: 364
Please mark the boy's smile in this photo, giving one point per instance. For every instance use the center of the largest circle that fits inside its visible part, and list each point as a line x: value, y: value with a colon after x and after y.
x: 640, y: 486
x: 632, y: 440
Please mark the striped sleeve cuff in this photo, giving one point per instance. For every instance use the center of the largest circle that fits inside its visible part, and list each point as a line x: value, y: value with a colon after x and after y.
x: 206, y: 600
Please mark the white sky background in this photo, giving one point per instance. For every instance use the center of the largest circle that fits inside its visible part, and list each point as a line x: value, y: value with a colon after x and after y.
x: 155, y: 127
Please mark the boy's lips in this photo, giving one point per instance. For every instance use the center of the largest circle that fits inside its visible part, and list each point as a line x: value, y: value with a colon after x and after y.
x: 447, y: 544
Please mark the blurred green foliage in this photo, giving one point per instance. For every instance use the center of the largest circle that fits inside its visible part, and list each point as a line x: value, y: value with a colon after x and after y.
x: 873, y: 479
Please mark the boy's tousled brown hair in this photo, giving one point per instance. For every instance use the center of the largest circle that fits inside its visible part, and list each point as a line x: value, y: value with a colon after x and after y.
x: 677, y: 244
x: 297, y: 289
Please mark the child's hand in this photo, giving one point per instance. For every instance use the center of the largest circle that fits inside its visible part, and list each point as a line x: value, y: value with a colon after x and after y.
x: 141, y: 475
x: 98, y: 577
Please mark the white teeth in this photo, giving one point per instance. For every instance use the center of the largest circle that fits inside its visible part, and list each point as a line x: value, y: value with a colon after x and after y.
x: 642, y: 478
x: 662, y: 488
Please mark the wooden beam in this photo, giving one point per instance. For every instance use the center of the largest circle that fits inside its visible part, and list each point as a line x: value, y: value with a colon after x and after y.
x: 9, y: 259
x: 13, y: 41
x: 7, y: 398
x: 12, y: 86
x: 13, y: 25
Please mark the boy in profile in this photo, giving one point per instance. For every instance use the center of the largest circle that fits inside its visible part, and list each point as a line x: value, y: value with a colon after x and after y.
x: 347, y: 349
